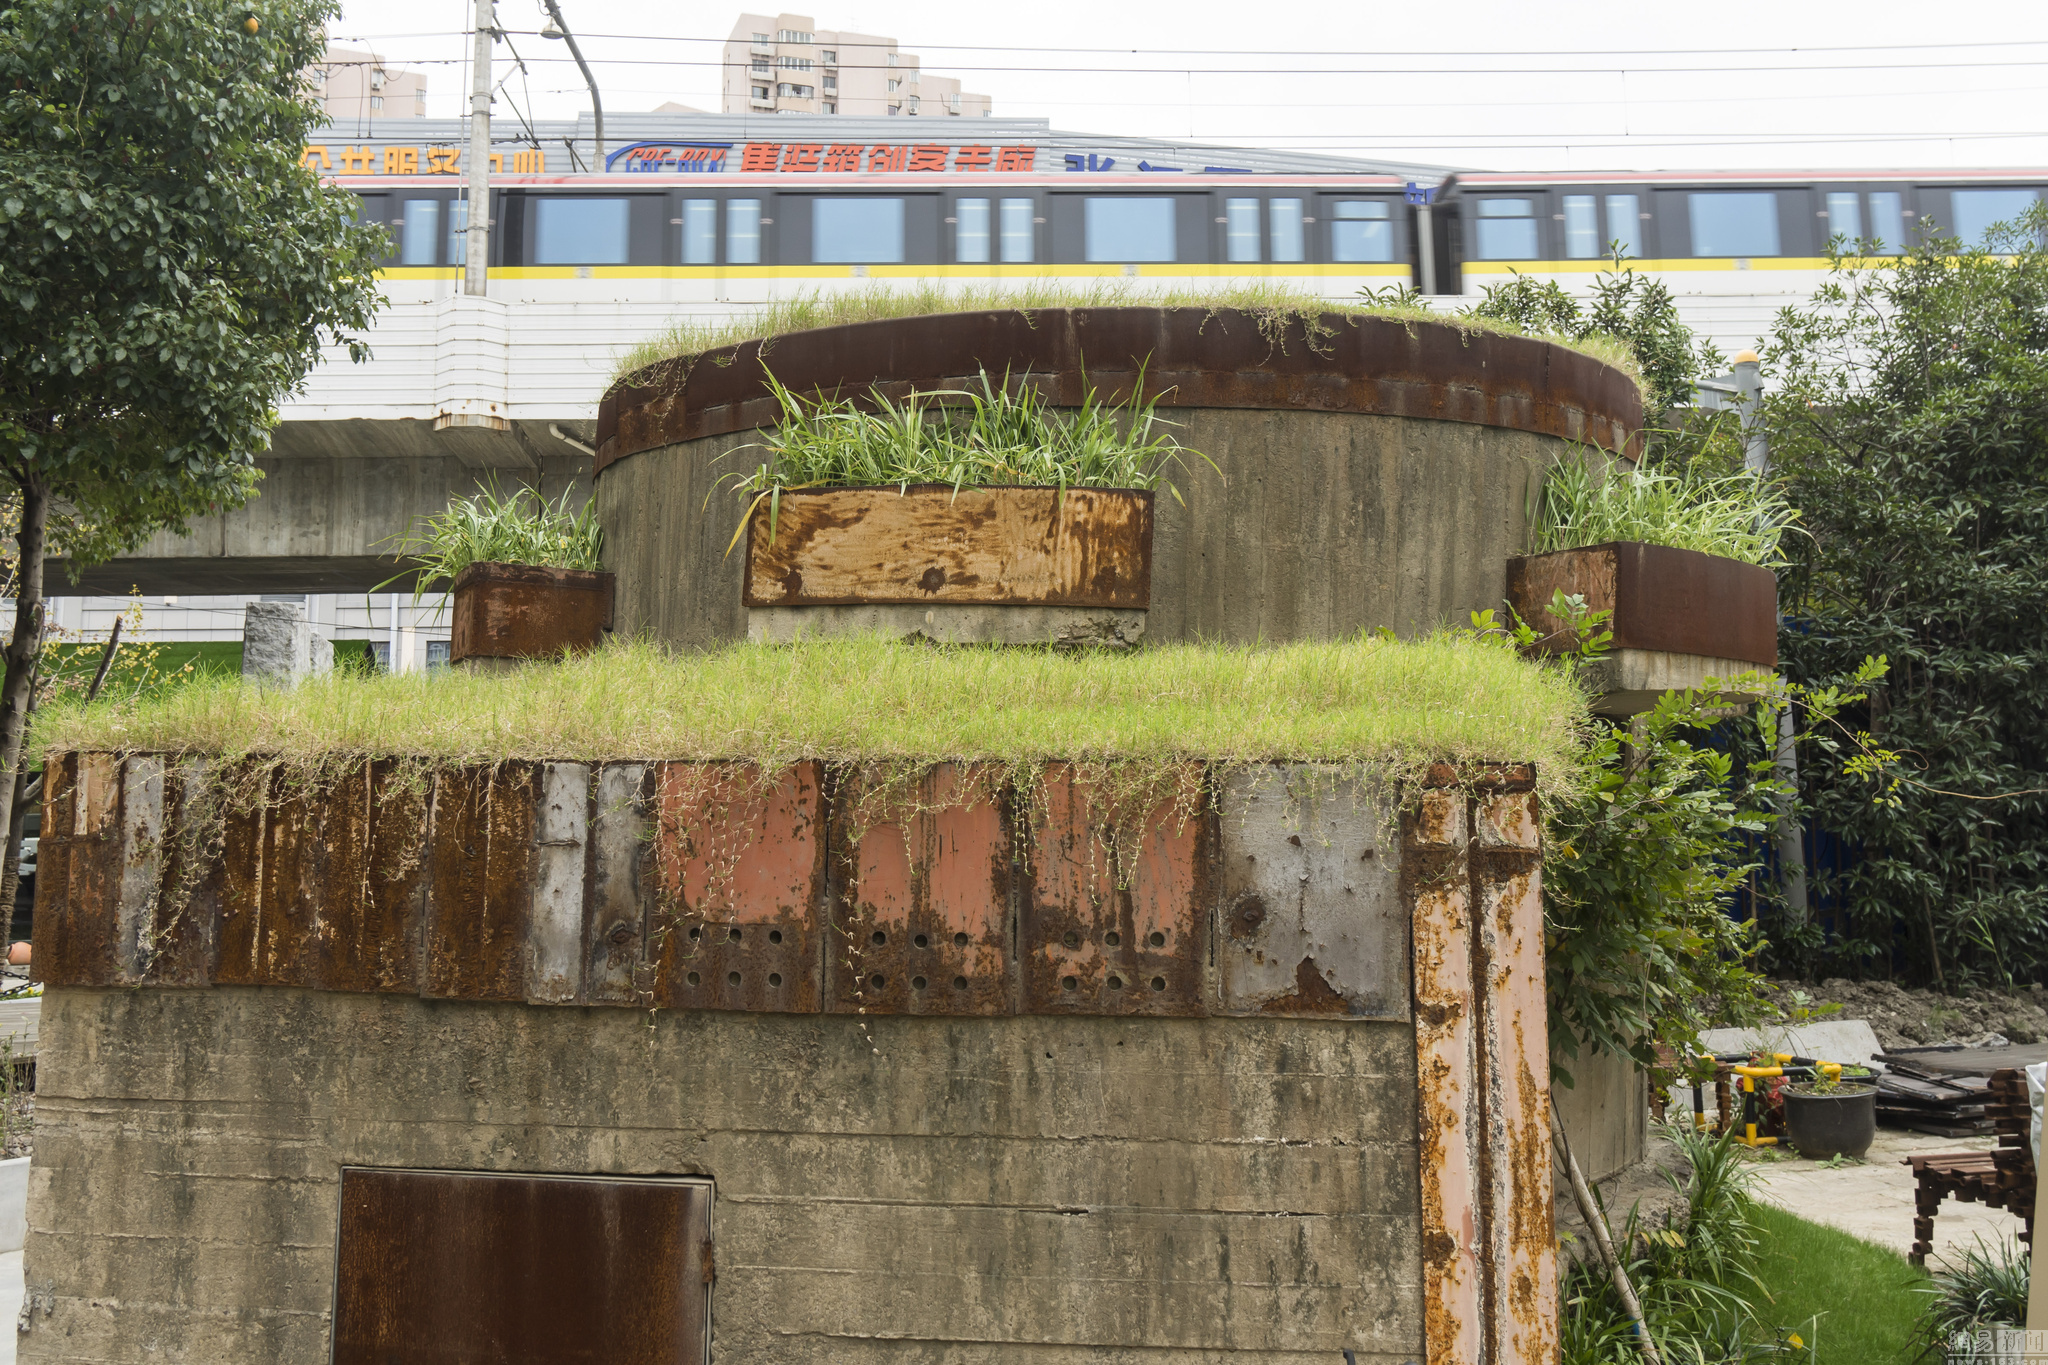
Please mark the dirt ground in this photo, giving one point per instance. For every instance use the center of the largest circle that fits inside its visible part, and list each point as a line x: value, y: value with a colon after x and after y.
x: 1908, y: 1018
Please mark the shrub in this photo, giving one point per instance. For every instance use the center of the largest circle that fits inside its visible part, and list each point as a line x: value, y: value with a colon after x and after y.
x: 1739, y: 516
x: 1985, y: 1291
x: 520, y: 527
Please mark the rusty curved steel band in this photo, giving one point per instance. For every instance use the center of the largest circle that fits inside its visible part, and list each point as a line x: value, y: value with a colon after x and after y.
x: 1191, y: 358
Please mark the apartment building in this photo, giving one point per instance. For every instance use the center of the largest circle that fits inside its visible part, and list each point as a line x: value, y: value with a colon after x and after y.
x: 785, y: 65
x: 356, y: 85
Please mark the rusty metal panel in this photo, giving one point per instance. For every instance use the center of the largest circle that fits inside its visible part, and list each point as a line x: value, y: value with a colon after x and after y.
x: 1663, y: 599
x: 1435, y: 881
x: 1311, y: 919
x: 481, y: 887
x: 1190, y: 357
x: 620, y: 885
x: 142, y: 866
x: 444, y: 1266
x: 554, y: 973
x: 525, y: 611
x: 921, y: 895
x: 77, y: 919
x: 934, y: 545
x: 185, y: 923
x: 1114, y: 900
x: 740, y: 865
x: 1521, y: 1236
x: 233, y: 891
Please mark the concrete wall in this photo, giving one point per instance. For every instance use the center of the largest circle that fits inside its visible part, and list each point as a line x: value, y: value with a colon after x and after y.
x: 1321, y: 524
x: 888, y: 1189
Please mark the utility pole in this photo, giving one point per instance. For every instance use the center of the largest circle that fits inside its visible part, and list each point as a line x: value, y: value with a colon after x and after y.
x: 1744, y: 386
x: 477, y: 256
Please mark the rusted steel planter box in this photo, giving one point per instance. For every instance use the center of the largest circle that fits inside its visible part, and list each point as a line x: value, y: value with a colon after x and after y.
x: 1678, y: 616
x: 1006, y: 563
x: 524, y: 611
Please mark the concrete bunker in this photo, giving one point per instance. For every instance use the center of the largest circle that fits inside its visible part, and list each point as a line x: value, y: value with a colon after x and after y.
x: 1376, y: 471
x: 991, y: 1067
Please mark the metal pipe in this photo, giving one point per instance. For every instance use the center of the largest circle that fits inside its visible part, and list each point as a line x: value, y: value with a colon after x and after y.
x: 1426, y: 240
x: 596, y: 105
x: 477, y: 256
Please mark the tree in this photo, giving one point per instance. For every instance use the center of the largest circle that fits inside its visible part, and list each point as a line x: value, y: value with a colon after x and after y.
x: 1910, y: 410
x: 169, y: 272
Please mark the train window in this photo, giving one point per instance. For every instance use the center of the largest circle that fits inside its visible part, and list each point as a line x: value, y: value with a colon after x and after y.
x: 1624, y: 226
x: 1019, y: 232
x: 1241, y: 229
x: 1976, y: 212
x: 1284, y: 216
x: 1507, y: 230
x: 1361, y: 230
x: 1734, y: 223
x: 580, y: 231
x: 743, y: 231
x: 1887, y: 221
x: 419, y: 240
x: 458, y: 232
x: 1581, y: 226
x: 1845, y: 216
x: 970, y: 229
x: 700, y: 232
x: 1128, y: 228
x: 856, y: 230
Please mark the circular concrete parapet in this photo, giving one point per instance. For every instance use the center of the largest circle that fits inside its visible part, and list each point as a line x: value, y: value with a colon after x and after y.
x: 1374, y: 471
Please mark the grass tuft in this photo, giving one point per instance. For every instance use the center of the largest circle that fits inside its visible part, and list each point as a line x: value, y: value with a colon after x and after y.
x: 1451, y: 696
x: 1274, y: 306
x: 1739, y: 516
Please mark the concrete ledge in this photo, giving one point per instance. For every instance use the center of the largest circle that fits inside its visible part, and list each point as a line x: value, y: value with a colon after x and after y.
x: 1630, y: 681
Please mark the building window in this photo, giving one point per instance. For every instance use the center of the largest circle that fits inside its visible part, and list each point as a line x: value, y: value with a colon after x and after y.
x: 743, y: 231
x: 970, y: 232
x: 1507, y: 230
x: 580, y: 231
x: 1128, y: 228
x: 1976, y: 212
x: 892, y: 59
x: 458, y: 232
x: 1888, y: 222
x: 1362, y: 230
x: 794, y: 63
x: 831, y: 108
x: 1284, y: 221
x: 953, y: 103
x: 1581, y: 226
x: 792, y: 35
x: 700, y: 232
x: 1019, y: 231
x: 762, y: 40
x: 760, y: 67
x: 864, y: 230
x: 892, y: 86
x: 420, y: 239
x: 895, y: 108
x: 761, y: 92
x: 911, y: 104
x: 831, y: 82
x: 437, y: 654
x: 829, y: 58
x: 376, y: 101
x: 1241, y: 230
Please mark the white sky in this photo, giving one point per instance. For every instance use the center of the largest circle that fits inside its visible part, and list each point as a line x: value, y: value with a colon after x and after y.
x: 1509, y: 84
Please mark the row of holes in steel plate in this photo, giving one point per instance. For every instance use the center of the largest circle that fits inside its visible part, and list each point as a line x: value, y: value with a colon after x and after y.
x: 881, y: 939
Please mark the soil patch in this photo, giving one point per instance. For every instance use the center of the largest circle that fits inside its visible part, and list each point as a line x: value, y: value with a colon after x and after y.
x: 1914, y: 1018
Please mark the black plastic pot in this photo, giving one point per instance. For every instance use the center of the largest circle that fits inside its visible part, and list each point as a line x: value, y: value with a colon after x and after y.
x: 1842, y: 1123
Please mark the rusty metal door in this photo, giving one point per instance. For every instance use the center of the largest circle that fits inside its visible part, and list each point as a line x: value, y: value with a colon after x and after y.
x: 467, y: 1268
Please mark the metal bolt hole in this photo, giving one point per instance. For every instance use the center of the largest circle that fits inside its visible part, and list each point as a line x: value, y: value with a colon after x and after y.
x: 1116, y: 983
x: 875, y: 981
x: 1158, y: 983
x: 878, y: 938
x: 695, y: 932
x: 732, y: 978
x: 775, y: 978
x: 959, y: 983
x: 959, y: 940
x: 1112, y: 938
x: 693, y: 978
x: 1068, y: 983
x: 775, y: 936
x: 1158, y: 940
x: 734, y: 935
x: 1072, y: 940
x: 921, y: 941
x: 917, y: 983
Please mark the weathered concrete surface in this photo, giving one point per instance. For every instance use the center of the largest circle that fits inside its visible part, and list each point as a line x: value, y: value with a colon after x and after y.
x: 279, y: 645
x: 1322, y: 524
x: 888, y: 1189
x: 950, y: 625
x: 324, y: 522
x: 1605, y: 1113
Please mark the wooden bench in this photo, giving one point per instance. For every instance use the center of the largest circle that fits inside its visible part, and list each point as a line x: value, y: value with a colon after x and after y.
x: 2002, y: 1178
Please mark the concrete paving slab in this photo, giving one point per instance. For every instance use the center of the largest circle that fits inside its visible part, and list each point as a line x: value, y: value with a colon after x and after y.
x: 1874, y: 1201
x: 10, y: 1302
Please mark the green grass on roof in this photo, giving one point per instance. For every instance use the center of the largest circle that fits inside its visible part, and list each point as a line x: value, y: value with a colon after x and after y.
x: 1274, y: 304
x: 1449, y: 696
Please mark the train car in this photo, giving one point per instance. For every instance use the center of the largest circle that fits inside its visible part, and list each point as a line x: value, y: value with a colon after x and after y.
x: 1733, y: 247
